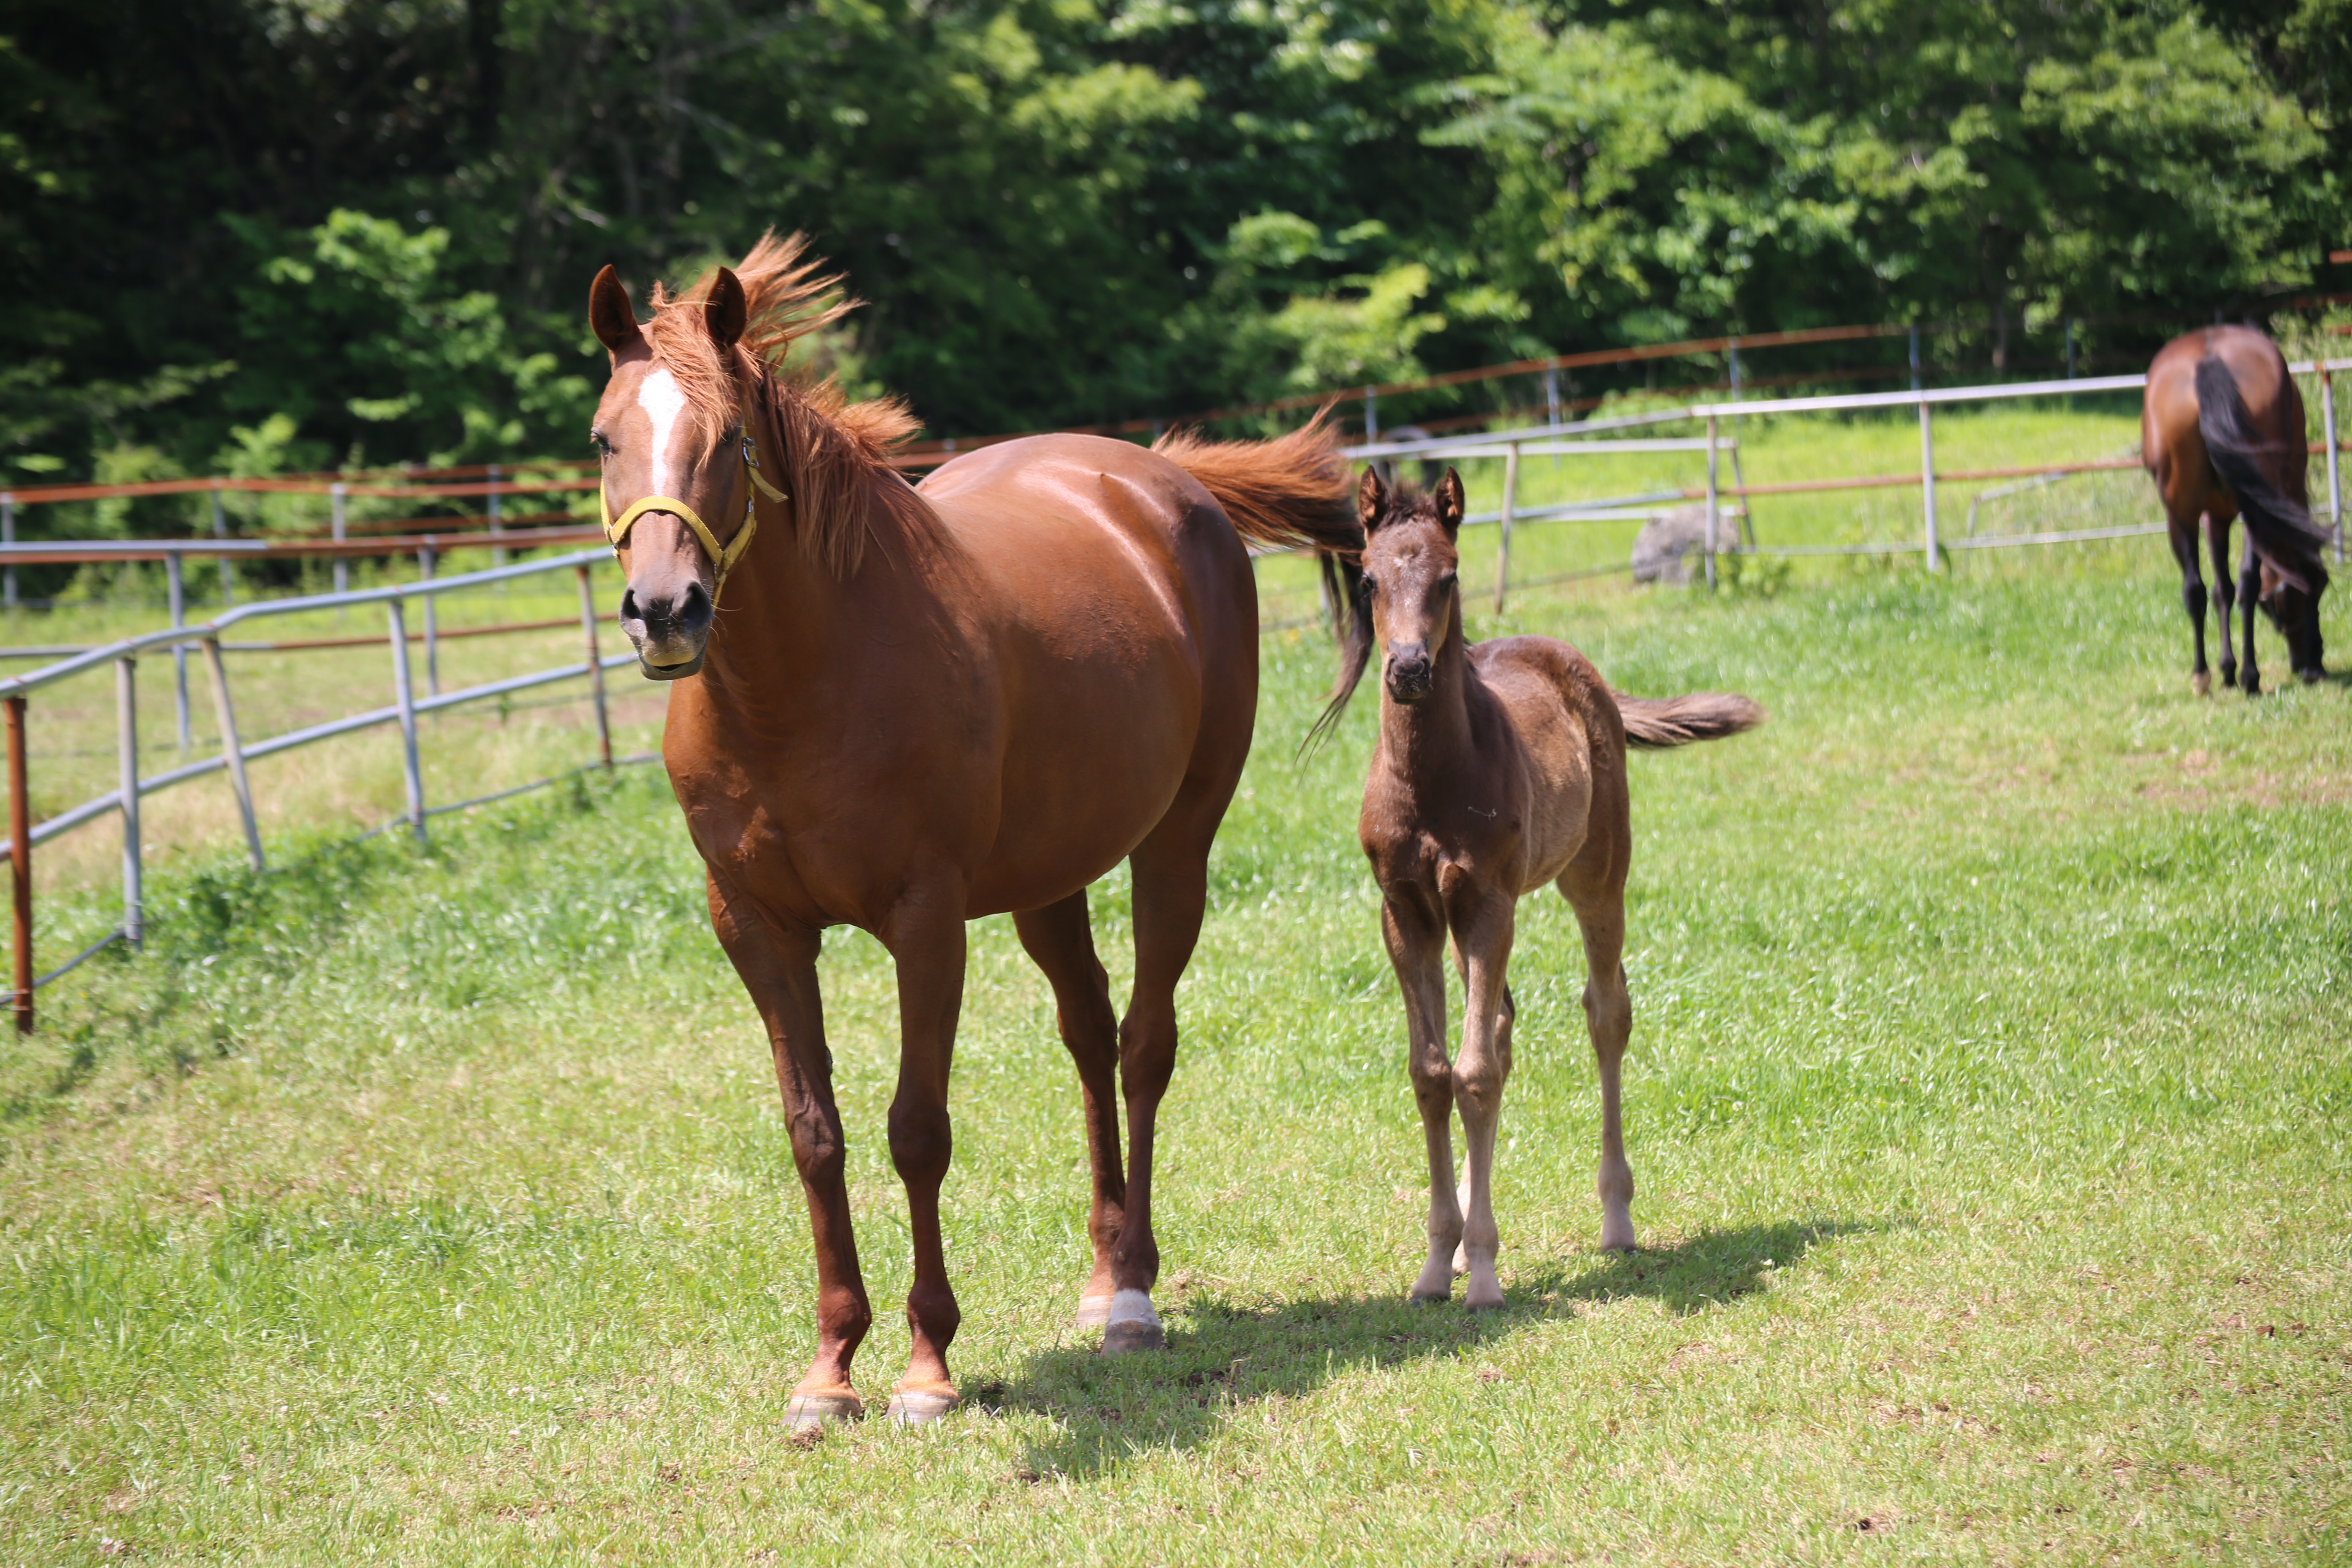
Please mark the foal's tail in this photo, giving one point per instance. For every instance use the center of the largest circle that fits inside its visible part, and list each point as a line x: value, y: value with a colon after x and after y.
x: 1679, y: 721
x: 2282, y: 527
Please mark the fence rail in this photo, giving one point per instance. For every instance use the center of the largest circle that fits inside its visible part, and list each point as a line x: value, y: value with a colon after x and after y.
x: 132, y: 786
x: 1567, y: 439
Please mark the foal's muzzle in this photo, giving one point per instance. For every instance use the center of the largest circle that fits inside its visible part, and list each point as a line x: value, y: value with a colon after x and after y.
x: 1409, y: 671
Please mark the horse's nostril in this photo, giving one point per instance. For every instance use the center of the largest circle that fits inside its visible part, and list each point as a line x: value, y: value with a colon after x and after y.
x: 629, y: 611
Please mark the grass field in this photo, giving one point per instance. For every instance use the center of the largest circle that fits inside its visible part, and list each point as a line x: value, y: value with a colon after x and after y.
x: 1987, y: 1099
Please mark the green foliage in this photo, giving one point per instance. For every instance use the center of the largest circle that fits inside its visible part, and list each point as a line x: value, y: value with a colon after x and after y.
x: 376, y: 218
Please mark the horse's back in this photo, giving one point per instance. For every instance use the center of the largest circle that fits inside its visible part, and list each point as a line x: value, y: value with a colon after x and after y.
x: 1552, y: 696
x: 1119, y: 604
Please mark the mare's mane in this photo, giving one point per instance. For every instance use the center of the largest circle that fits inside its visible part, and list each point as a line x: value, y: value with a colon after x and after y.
x: 836, y: 453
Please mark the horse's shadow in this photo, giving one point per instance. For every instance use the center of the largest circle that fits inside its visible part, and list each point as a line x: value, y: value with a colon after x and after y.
x: 1235, y: 1356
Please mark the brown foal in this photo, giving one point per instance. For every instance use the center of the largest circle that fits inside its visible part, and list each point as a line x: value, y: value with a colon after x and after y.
x: 903, y: 708
x: 1500, y: 767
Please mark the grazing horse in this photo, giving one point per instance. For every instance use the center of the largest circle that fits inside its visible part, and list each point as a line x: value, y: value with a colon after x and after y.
x: 914, y: 706
x: 1500, y: 767
x: 2221, y: 434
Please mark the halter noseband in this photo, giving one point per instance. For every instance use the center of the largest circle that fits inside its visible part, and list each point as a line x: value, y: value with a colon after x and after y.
x: 617, y: 530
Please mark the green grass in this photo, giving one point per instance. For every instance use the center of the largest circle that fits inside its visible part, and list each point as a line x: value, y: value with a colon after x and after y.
x: 1987, y: 1102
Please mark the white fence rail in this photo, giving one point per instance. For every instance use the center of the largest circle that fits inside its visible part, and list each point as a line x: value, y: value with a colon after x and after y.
x: 132, y: 786
x: 1574, y: 438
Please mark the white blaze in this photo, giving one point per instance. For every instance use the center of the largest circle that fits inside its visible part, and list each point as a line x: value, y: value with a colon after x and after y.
x: 659, y: 395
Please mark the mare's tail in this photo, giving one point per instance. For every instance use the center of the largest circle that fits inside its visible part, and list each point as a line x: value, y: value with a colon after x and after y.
x: 2282, y: 528
x: 1679, y: 721
x: 1292, y: 493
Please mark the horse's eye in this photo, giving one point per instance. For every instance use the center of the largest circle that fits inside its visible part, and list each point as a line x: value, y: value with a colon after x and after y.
x: 1448, y: 583
x: 1372, y: 584
x: 596, y: 439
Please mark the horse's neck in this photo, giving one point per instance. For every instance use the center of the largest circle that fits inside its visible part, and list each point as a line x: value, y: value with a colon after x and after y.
x: 1428, y: 745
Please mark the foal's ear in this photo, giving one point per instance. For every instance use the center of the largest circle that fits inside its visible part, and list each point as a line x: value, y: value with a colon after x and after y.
x: 610, y: 315
x: 1372, y: 499
x: 725, y: 310
x: 1449, y: 503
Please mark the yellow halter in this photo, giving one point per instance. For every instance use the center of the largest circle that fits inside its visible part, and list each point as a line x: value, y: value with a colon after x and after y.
x: 617, y: 530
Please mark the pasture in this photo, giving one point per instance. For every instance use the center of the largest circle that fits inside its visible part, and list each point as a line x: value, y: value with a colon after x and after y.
x: 1986, y: 1100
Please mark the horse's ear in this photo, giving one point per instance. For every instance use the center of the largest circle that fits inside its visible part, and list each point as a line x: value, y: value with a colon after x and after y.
x: 726, y: 312
x: 611, y: 316
x: 1449, y: 503
x: 1372, y: 499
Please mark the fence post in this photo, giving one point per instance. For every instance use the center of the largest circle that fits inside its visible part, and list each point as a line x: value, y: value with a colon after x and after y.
x: 427, y: 556
x: 405, y: 695
x: 175, y: 573
x: 1914, y: 358
x: 1371, y: 415
x: 20, y: 863
x: 498, y: 515
x: 227, y: 567
x: 1510, y: 504
x: 224, y: 713
x: 8, y: 536
x: 126, y: 744
x: 1714, y: 496
x: 335, y: 521
x: 595, y: 665
x: 1928, y: 476
x: 2335, y: 473
x: 1552, y: 396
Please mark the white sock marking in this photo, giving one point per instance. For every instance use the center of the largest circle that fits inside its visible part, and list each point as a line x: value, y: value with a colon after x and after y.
x: 1133, y: 1306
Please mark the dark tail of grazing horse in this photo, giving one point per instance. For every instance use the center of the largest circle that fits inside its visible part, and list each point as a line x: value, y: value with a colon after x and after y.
x: 2283, y: 530
x: 1679, y: 721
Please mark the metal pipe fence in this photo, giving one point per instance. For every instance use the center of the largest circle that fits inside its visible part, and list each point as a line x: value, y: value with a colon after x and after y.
x: 1560, y: 439
x: 131, y: 785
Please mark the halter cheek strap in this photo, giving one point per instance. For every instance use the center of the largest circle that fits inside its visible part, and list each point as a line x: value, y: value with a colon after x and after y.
x: 721, y: 558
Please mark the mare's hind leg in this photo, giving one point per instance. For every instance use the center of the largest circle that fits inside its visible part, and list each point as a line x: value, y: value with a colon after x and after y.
x: 778, y: 965
x: 1415, y: 935
x: 1059, y: 938
x: 1597, y: 893
x: 2249, y: 594
x: 1171, y: 891
x: 2192, y: 598
x: 2217, y: 544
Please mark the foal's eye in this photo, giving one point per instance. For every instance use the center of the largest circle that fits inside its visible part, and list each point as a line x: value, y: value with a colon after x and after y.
x: 1446, y: 583
x: 596, y: 439
x: 1372, y: 584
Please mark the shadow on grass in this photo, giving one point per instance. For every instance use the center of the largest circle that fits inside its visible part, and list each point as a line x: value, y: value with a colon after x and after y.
x: 1234, y: 1356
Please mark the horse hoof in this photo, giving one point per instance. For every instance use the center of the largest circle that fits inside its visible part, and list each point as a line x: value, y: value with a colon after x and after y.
x: 1093, y: 1311
x: 810, y: 1411
x: 1429, y: 1298
x: 2201, y: 684
x: 1120, y: 1339
x: 920, y: 1408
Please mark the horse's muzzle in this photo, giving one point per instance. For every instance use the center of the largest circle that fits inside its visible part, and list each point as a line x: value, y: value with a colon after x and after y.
x: 1409, y: 673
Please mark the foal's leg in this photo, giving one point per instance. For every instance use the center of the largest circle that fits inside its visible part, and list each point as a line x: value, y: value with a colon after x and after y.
x: 1462, y: 1197
x: 1416, y: 936
x: 778, y: 964
x: 1058, y: 938
x: 1597, y: 893
x: 2192, y: 598
x: 2217, y: 544
x: 1482, y: 933
x: 925, y: 935
x: 2250, y: 595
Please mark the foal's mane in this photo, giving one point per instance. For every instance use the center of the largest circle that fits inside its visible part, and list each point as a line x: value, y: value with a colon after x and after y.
x: 836, y: 453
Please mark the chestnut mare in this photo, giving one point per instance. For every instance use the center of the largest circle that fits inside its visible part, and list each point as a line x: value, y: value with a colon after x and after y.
x: 919, y: 705
x: 1501, y: 767
x: 2221, y: 434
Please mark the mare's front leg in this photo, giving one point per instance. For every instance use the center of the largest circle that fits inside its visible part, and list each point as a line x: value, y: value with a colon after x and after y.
x: 925, y: 935
x: 1415, y: 934
x: 1059, y: 939
x: 1483, y: 932
x: 2192, y: 598
x: 778, y: 965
